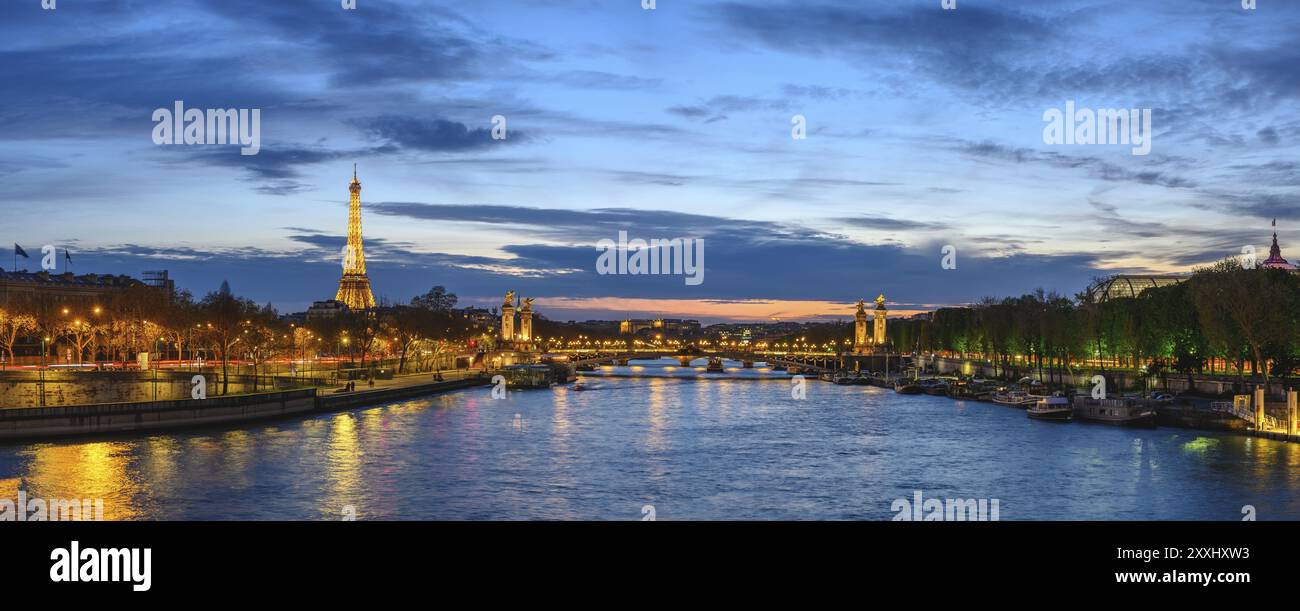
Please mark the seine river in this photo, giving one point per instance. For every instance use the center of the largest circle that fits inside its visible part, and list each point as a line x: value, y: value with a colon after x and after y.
x: 654, y: 434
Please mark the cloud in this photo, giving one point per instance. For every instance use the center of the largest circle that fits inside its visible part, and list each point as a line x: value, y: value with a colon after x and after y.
x: 434, y: 134
x: 1094, y: 166
x: 889, y: 224
x: 595, y: 79
x: 717, y: 108
x: 275, y: 169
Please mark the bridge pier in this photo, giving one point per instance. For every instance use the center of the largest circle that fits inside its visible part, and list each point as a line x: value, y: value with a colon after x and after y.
x: 685, y: 360
x: 747, y: 364
x: 1291, y: 411
x: 1259, y: 407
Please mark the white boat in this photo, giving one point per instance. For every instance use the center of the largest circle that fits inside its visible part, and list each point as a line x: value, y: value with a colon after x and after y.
x: 1051, y: 408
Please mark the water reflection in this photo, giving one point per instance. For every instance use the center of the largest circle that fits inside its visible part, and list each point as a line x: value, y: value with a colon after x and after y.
x: 656, y: 419
x: 343, y: 468
x: 695, y: 448
x: 94, y: 470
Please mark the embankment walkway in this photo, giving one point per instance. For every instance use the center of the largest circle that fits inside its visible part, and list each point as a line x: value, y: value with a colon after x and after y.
x: 25, y: 423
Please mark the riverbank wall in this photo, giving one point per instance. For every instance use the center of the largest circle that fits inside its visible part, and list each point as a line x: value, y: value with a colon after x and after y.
x: 1202, y: 384
x: 58, y: 388
x: 25, y: 423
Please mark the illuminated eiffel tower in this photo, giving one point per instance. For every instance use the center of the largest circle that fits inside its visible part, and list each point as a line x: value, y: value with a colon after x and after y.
x: 354, y: 286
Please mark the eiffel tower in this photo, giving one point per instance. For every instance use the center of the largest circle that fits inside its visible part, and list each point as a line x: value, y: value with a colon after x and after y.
x: 354, y: 286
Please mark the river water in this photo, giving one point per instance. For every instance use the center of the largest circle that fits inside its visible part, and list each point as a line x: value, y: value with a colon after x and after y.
x: 689, y: 445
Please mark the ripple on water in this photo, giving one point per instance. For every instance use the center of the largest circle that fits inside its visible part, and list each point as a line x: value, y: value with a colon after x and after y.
x: 693, y: 448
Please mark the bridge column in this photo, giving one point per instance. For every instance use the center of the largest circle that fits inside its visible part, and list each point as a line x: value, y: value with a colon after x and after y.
x: 1259, y: 407
x: 1291, y: 411
x: 685, y: 360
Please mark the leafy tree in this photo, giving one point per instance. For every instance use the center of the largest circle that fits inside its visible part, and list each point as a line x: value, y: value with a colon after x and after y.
x: 437, y: 299
x: 224, y: 321
x: 14, y: 324
x: 1245, y: 306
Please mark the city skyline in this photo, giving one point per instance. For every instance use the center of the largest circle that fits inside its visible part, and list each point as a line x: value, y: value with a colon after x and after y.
x: 653, y: 122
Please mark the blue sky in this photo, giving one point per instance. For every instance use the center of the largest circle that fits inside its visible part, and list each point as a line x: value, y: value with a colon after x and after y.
x: 924, y: 129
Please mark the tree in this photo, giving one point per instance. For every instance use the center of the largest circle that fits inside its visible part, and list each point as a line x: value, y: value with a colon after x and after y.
x: 83, y: 333
x: 360, y: 329
x: 14, y: 324
x: 259, y: 337
x: 1245, y: 307
x: 49, y: 315
x: 437, y: 299
x: 225, y: 316
x: 408, y: 325
x: 178, y: 321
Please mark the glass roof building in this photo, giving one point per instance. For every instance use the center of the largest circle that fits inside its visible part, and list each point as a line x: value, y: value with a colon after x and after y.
x: 1128, y: 285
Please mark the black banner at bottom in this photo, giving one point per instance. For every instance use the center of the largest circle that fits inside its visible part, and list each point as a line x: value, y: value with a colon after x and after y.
x: 161, y: 560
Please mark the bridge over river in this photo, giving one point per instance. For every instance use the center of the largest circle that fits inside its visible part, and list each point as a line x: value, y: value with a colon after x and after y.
x: 809, y: 362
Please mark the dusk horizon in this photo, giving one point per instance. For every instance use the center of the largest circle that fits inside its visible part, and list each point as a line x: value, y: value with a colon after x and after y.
x: 905, y: 153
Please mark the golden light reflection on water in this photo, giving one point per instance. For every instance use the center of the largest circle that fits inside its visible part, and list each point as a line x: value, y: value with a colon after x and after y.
x: 378, y: 459
x: 343, y: 475
x: 234, y: 455
x: 560, y: 421
x: 655, y: 432
x: 1268, y: 457
x: 97, y: 470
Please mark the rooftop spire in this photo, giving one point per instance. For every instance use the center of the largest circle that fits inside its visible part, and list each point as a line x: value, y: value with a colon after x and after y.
x: 1275, y: 260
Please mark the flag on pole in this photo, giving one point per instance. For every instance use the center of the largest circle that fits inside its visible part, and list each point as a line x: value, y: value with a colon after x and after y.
x: 67, y: 255
x: 18, y: 250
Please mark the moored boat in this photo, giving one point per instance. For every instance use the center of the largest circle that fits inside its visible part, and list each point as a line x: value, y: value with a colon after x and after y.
x: 936, y: 387
x: 1056, y: 409
x: 1015, y: 398
x: 908, y: 387
x: 1119, y: 412
x: 977, y: 390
